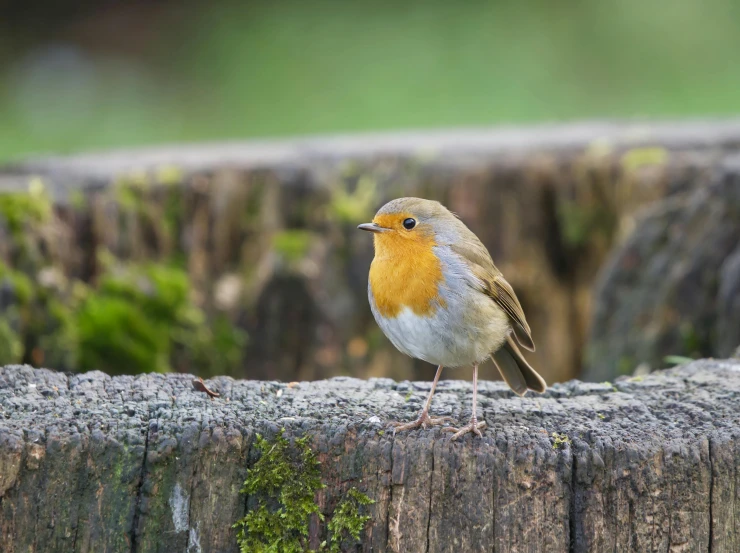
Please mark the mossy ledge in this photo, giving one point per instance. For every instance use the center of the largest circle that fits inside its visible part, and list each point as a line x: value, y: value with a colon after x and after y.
x: 90, y: 462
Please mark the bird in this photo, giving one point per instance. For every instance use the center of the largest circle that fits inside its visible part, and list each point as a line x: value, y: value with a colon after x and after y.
x: 437, y: 296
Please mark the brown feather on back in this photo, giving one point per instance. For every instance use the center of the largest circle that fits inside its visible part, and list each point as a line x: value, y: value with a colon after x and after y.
x: 494, y: 285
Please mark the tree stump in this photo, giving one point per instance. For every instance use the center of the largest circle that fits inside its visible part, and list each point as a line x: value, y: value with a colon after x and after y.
x: 91, y: 463
x: 673, y: 287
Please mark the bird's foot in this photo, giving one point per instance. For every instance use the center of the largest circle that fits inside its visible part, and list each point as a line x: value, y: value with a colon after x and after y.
x: 424, y: 421
x: 474, y: 426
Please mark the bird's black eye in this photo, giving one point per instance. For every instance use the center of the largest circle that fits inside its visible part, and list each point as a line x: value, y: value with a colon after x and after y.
x: 408, y: 224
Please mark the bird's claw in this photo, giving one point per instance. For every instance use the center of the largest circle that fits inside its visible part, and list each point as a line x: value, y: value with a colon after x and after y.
x: 424, y: 421
x: 474, y: 426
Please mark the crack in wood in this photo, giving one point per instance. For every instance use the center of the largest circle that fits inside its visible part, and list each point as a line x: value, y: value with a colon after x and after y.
x: 572, y: 520
x: 431, y: 496
x: 711, y: 495
x: 139, y: 490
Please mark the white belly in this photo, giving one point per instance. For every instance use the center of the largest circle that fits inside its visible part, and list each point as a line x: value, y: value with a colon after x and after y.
x: 448, y: 337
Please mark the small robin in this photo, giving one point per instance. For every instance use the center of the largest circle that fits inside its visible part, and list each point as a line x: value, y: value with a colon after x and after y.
x: 437, y: 296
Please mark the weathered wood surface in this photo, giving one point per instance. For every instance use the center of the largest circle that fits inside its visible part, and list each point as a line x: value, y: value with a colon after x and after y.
x: 140, y: 464
x: 266, y: 230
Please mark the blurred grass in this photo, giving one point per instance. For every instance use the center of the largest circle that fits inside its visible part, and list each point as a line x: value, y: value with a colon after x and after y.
x: 261, y: 69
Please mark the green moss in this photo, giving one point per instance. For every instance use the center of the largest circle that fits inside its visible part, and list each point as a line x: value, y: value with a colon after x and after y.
x: 284, y: 481
x: 637, y: 158
x: 77, y: 199
x: 42, y: 321
x: 118, y: 338
x: 173, y: 211
x: 574, y: 223
x: 676, y: 360
x: 559, y: 440
x: 346, y: 522
x: 21, y: 208
x: 255, y: 203
x: 127, y: 197
x: 134, y: 318
x: 141, y: 319
x: 625, y: 365
x: 168, y: 175
x: 692, y: 343
x: 578, y: 223
x: 293, y: 244
x: 137, y: 178
x: 130, y: 191
x: 59, y: 338
x: 214, y: 347
x: 125, y: 325
x: 21, y: 285
x: 357, y: 206
x: 11, y: 347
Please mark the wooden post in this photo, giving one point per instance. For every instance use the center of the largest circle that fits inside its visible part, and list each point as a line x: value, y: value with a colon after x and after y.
x: 91, y: 463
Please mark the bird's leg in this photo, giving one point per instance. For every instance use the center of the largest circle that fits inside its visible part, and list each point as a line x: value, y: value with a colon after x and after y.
x: 424, y: 419
x: 474, y: 426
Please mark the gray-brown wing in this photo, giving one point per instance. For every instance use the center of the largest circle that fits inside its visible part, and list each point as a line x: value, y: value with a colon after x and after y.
x: 518, y: 374
x: 495, y: 286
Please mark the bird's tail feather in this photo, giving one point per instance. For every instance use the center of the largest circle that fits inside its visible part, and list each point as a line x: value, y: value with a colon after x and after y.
x: 517, y: 373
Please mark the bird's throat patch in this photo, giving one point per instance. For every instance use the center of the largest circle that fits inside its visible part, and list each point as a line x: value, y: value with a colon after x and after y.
x: 405, y: 273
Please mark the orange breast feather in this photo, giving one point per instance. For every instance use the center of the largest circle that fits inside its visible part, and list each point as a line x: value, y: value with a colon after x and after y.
x: 405, y: 273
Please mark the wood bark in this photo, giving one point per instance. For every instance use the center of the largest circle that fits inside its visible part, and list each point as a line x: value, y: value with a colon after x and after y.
x: 90, y: 463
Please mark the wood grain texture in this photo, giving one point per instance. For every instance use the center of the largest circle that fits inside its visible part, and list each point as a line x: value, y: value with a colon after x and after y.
x: 92, y: 463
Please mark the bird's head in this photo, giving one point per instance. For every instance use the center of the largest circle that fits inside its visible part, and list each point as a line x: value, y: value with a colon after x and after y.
x: 405, y: 224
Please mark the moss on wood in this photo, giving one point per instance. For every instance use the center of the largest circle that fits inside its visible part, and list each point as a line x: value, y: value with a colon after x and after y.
x: 284, y: 482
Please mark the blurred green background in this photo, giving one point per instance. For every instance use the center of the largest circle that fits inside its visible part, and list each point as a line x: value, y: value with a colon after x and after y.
x: 86, y: 75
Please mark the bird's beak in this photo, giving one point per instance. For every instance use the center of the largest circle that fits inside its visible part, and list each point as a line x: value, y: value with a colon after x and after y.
x: 372, y: 227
